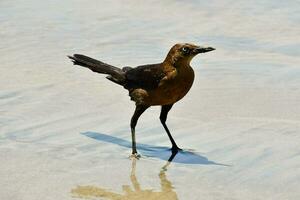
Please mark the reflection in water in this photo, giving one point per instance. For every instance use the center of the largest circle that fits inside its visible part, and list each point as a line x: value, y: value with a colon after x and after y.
x: 166, y: 193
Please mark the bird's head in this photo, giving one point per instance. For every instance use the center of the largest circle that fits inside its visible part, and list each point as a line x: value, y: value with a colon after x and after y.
x: 183, y: 53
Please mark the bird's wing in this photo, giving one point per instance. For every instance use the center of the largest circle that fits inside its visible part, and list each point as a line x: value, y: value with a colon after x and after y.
x: 145, y: 76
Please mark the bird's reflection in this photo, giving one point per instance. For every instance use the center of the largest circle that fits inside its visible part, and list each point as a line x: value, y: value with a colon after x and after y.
x: 166, y: 191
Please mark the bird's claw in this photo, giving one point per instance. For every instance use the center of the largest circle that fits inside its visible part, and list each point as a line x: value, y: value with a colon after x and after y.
x: 175, y: 149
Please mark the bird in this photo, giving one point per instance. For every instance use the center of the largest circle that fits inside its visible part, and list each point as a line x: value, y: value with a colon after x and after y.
x: 161, y: 84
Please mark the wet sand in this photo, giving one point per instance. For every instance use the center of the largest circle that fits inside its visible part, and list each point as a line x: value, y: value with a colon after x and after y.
x: 65, y: 130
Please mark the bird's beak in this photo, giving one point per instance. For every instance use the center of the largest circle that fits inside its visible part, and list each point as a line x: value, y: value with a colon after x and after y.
x: 203, y: 49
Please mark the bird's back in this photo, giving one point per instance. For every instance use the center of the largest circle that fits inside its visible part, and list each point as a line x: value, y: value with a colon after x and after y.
x: 146, y: 77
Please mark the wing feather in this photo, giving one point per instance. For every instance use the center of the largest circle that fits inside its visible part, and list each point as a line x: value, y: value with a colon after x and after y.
x: 145, y: 76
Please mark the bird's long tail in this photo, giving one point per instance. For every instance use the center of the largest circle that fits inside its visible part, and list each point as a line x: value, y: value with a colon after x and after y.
x: 115, y: 74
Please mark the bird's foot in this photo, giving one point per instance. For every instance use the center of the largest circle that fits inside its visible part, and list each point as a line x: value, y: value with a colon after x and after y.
x: 175, y: 149
x: 135, y: 156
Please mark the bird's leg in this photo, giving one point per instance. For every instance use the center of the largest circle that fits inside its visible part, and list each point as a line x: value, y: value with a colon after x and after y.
x: 139, y: 109
x: 163, y: 118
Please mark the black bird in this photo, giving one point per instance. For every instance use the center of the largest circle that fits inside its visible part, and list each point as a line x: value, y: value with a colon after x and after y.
x: 154, y: 84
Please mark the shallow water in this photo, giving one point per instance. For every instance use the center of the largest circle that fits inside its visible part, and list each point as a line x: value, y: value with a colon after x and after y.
x: 65, y: 129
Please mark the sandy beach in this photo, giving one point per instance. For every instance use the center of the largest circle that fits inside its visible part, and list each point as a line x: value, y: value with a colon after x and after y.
x: 64, y: 130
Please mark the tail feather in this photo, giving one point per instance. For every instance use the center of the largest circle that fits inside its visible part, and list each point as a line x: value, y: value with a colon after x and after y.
x: 115, y: 74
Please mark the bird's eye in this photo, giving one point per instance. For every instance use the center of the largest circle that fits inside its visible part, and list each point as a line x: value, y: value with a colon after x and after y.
x: 185, y: 49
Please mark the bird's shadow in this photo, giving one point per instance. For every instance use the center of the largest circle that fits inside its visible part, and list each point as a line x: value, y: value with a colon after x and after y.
x: 163, y: 153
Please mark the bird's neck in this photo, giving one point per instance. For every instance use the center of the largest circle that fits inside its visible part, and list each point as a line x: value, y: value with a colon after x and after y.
x: 182, y: 63
x: 177, y: 62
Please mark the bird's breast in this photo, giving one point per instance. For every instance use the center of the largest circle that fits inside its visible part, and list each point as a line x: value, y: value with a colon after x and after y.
x: 172, y: 88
